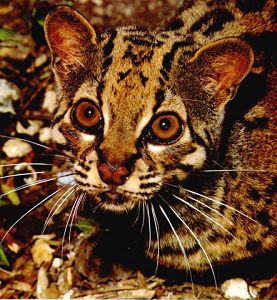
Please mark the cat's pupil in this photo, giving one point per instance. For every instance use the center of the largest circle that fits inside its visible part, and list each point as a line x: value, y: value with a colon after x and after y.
x: 89, y: 112
x: 164, y: 124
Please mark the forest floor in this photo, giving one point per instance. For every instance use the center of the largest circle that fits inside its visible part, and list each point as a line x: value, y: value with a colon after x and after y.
x: 36, y: 265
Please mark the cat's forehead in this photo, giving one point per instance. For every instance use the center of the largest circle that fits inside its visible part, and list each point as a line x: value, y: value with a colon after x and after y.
x: 131, y: 73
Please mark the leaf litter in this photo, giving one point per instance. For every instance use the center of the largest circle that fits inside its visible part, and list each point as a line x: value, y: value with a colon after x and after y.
x: 35, y: 265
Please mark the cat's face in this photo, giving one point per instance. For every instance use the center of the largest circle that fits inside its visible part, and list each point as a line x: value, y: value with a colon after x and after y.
x: 133, y: 113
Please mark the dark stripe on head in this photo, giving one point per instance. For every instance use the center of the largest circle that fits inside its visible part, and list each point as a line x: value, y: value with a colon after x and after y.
x: 108, y: 48
x: 216, y: 18
x: 143, y: 78
x: 251, y: 5
x: 175, y: 25
x: 123, y: 75
x: 259, y: 123
x: 169, y: 57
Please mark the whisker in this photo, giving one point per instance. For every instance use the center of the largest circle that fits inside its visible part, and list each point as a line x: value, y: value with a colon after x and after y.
x: 24, y: 186
x: 204, y: 214
x: 198, y: 241
x: 25, y: 140
x: 219, y: 202
x: 179, y: 242
x: 29, y: 211
x: 241, y: 170
x: 69, y: 218
x: 214, y: 200
x: 138, y: 214
x: 56, y: 207
x: 149, y: 228
x: 214, y: 210
x: 157, y: 229
x: 22, y: 174
x: 26, y: 164
x: 74, y: 216
x: 143, y: 216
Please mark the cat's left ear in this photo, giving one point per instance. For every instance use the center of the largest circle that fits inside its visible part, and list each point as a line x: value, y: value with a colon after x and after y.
x: 71, y: 40
x: 221, y: 66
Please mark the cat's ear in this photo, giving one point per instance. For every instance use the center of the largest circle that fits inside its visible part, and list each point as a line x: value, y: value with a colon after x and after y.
x: 221, y: 66
x: 70, y: 38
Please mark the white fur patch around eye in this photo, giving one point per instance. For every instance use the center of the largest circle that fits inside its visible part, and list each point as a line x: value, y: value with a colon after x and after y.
x: 156, y: 148
x: 87, y: 137
x: 143, y: 122
x: 197, y: 158
x: 106, y: 117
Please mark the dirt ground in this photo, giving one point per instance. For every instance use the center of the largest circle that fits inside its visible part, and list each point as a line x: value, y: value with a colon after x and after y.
x: 35, y: 265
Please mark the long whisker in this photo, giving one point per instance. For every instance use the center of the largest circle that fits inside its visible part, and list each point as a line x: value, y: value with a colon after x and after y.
x: 198, y: 241
x: 179, y: 242
x: 26, y: 164
x: 157, y: 229
x: 149, y: 228
x: 56, y: 207
x: 204, y: 214
x: 25, y: 140
x: 214, y: 200
x: 74, y: 216
x: 212, y: 209
x: 143, y: 216
x: 138, y: 214
x: 69, y: 218
x: 221, y: 203
x: 22, y: 174
x: 24, y: 186
x: 25, y: 214
x: 237, y: 170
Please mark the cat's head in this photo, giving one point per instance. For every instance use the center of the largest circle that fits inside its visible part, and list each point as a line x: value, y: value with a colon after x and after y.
x: 137, y: 110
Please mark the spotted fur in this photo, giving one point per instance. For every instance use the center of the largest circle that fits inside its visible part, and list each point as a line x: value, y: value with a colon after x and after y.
x: 192, y: 68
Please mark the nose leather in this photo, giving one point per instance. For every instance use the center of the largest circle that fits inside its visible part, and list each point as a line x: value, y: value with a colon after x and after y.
x: 112, y: 174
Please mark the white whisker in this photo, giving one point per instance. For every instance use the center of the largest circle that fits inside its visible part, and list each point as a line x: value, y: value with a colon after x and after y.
x: 149, y: 228
x: 26, y: 164
x: 25, y: 214
x: 157, y: 229
x: 56, y: 207
x: 221, y: 203
x: 25, y: 140
x: 24, y: 186
x: 212, y: 209
x: 204, y: 214
x: 198, y: 241
x: 143, y: 216
x: 138, y: 214
x: 22, y: 174
x: 178, y: 240
x: 237, y: 170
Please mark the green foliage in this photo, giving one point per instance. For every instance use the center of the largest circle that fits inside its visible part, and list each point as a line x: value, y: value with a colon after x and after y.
x: 6, y: 34
x: 12, y: 196
x: 3, y: 258
x: 86, y: 225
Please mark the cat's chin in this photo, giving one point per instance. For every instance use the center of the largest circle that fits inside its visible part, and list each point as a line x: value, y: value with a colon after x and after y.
x: 114, y: 202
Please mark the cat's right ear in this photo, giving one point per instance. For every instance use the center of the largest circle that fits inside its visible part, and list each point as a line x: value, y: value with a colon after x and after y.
x: 71, y: 40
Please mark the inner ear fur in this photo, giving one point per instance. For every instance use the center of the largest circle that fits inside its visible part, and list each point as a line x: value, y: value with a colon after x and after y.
x: 70, y: 38
x: 221, y: 66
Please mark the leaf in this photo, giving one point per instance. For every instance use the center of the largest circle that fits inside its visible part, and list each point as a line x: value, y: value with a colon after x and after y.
x: 85, y: 225
x: 41, y: 21
x: 6, y: 34
x: 3, y: 258
x: 4, y: 202
x: 12, y: 196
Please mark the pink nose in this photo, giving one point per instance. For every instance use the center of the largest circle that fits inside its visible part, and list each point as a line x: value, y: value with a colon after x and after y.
x: 112, y: 174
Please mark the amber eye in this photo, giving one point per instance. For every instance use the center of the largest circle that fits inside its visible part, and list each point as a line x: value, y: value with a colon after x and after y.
x: 86, y: 116
x: 166, y: 128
